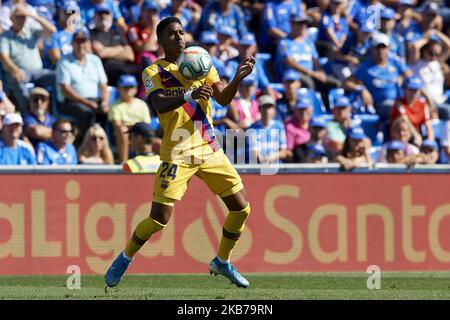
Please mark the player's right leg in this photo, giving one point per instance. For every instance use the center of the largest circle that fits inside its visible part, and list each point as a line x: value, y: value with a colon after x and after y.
x: 170, y: 184
x: 159, y: 217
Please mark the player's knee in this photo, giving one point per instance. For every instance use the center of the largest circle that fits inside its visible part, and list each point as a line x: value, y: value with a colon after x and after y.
x: 235, y: 223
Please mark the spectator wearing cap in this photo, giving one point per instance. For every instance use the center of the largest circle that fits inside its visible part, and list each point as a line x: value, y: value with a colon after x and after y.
x: 338, y: 126
x: 356, y: 149
x: 13, y: 150
x: 38, y: 121
x: 298, y: 53
x: 60, y: 43
x: 318, y: 130
x: 286, y: 104
x: 222, y: 13
x: 354, y: 51
x: 429, y: 152
x: 275, y: 22
x: 142, y: 36
x: 188, y: 12
x: 20, y: 57
x: 333, y: 28
x: 378, y: 79
x: 95, y: 147
x: 267, y: 136
x: 226, y: 49
x: 87, y: 13
x: 130, y: 10
x: 408, y: 18
x: 244, y: 109
x: 125, y: 112
x: 395, y: 152
x: 430, y: 18
x: 432, y: 52
x: 315, y: 153
x: 396, y: 41
x: 401, y: 130
x: 82, y: 84
x: 142, y: 140
x: 413, y: 108
x: 297, y: 126
x: 59, y: 150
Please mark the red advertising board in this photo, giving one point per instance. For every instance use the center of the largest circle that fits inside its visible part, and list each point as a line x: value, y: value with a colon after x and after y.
x: 299, y: 222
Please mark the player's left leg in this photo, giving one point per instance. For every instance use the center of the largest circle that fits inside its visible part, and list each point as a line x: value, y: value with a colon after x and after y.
x: 222, y: 179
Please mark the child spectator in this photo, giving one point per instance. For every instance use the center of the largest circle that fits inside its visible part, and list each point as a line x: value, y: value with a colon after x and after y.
x: 318, y: 130
x: 400, y: 131
x: 356, y: 149
x: 429, y: 152
x: 95, y: 147
x: 125, y: 112
x: 59, y: 150
x: 316, y: 153
x: 13, y: 150
x: 396, y: 152
x: 38, y: 122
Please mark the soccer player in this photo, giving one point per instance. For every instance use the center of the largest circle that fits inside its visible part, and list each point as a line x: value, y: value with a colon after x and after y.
x: 183, y: 106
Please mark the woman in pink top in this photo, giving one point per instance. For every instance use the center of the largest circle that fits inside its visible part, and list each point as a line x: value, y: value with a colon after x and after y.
x: 245, y: 109
x: 297, y: 126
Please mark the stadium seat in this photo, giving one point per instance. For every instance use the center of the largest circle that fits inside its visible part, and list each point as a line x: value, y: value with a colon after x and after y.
x: 375, y: 153
x: 276, y: 86
x: 447, y: 94
x: 438, y: 127
x: 319, y: 109
x: 334, y: 94
x: 369, y: 123
x: 155, y: 123
x: 113, y: 94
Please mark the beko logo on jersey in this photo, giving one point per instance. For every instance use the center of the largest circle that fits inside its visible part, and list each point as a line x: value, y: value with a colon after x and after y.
x: 175, y: 92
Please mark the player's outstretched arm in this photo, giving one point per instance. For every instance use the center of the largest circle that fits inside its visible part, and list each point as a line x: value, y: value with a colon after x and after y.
x: 164, y: 104
x: 224, y: 95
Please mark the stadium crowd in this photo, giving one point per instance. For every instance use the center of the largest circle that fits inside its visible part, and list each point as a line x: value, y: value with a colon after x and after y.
x: 348, y: 81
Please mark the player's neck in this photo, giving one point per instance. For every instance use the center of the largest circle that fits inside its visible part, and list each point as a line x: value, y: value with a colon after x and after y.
x: 170, y: 59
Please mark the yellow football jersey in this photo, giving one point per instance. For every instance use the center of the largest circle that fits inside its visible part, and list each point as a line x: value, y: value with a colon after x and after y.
x: 188, y: 130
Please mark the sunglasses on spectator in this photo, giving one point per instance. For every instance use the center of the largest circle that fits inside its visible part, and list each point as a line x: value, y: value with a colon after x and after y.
x: 95, y: 138
x: 65, y: 131
x: 37, y: 98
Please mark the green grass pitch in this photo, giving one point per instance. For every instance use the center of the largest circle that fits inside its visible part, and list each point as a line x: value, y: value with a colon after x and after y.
x: 284, y: 286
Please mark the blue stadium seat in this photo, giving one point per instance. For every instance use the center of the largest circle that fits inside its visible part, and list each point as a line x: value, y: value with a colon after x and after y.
x: 438, y: 126
x: 276, y: 86
x: 375, y: 153
x: 369, y: 123
x: 155, y: 123
x: 447, y: 94
x: 313, y: 33
x: 334, y: 94
x: 113, y: 94
x: 318, y: 105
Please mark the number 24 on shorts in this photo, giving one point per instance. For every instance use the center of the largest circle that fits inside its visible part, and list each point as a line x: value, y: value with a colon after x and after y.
x: 169, y: 170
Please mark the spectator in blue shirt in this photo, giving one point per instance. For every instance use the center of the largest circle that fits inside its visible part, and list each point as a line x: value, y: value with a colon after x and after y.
x: 378, y: 79
x: 275, y: 24
x: 13, y: 150
x: 298, y: 53
x: 220, y: 13
x: 365, y: 11
x: 333, y: 28
x: 59, y: 45
x: 267, y: 137
x: 397, y: 42
x: 286, y: 105
x: 59, y: 150
x: 38, y: 122
x: 87, y: 11
x: 82, y: 84
x: 131, y: 10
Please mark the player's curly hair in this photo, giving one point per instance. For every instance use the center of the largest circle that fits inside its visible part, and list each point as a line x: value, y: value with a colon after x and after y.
x: 164, y: 23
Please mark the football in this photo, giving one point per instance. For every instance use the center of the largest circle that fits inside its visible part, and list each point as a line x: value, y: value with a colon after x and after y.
x: 194, y: 63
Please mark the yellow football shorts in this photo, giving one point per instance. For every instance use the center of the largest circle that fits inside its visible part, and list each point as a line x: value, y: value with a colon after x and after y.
x: 217, y: 172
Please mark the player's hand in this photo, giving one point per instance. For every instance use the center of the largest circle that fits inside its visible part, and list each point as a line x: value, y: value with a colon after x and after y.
x: 245, y: 68
x: 203, y: 92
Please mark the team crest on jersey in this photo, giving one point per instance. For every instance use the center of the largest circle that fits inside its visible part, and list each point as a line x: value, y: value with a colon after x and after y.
x: 148, y: 84
x: 164, y: 183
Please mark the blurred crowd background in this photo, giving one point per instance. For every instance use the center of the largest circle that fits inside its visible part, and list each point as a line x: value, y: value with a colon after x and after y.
x: 348, y: 81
